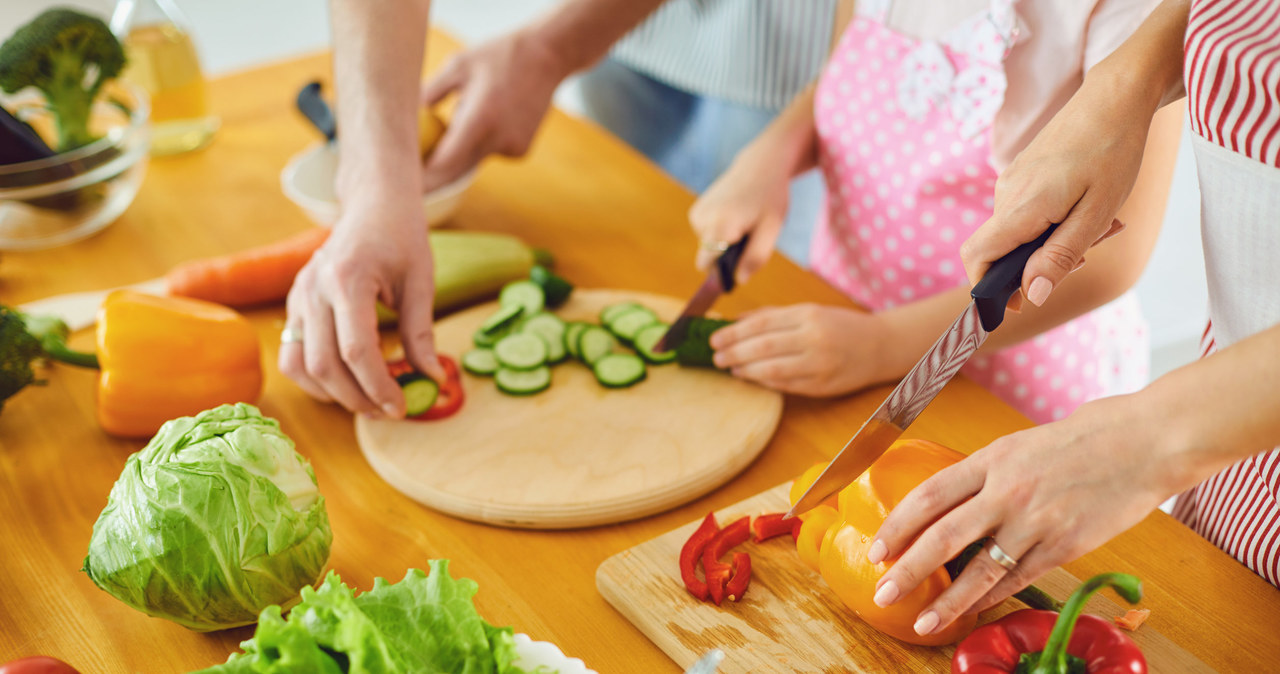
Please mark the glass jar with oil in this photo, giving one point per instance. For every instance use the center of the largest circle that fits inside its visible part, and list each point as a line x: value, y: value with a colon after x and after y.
x: 163, y: 61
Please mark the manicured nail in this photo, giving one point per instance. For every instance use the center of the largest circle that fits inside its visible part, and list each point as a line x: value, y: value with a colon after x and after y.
x: 886, y: 594
x: 927, y: 623
x: 1039, y: 290
x: 878, y: 552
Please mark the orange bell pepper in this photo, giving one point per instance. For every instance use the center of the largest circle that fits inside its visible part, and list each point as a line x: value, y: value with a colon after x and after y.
x: 168, y: 357
x: 841, y: 536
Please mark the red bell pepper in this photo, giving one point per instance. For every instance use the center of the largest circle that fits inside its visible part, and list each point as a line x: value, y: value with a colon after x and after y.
x: 767, y: 526
x: 716, y: 571
x: 737, y: 585
x: 691, y: 553
x: 1043, y: 642
x: 450, y: 395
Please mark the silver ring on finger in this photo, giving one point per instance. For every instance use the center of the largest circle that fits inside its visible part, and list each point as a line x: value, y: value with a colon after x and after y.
x: 1000, y: 557
x: 715, y: 246
x: 291, y: 335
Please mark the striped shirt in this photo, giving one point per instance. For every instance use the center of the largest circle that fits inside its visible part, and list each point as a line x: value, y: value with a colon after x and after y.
x: 759, y: 53
x: 1233, y: 76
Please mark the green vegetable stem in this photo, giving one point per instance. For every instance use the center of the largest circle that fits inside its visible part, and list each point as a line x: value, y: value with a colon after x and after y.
x: 24, y: 339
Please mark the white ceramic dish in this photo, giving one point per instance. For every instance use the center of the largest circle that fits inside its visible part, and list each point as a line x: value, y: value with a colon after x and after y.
x: 534, y: 654
x: 308, y: 182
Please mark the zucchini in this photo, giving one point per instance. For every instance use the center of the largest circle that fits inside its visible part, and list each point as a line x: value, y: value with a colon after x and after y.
x: 521, y: 351
x: 594, y: 343
x: 523, y: 382
x: 647, y: 339
x: 480, y: 362
x: 525, y: 294
x: 695, y: 349
x: 571, y: 333
x: 619, y: 370
x: 613, y: 310
x: 554, y: 288
x: 419, y: 391
x: 628, y: 323
x: 471, y: 266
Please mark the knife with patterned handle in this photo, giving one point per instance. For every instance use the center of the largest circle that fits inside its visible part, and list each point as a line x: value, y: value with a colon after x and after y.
x: 922, y: 384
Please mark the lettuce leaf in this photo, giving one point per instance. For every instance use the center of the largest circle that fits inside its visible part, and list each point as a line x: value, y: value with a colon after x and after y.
x: 425, y: 624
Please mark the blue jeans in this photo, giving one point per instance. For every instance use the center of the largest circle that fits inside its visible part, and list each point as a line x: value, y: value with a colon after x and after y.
x: 693, y: 138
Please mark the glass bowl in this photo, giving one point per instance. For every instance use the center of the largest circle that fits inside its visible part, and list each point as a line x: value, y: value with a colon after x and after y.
x: 59, y: 199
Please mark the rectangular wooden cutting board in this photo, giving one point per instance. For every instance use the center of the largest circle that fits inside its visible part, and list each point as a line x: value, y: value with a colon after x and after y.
x: 789, y: 621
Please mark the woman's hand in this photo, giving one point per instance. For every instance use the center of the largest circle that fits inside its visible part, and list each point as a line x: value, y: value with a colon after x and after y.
x: 1046, y: 495
x: 750, y: 198
x: 379, y: 250
x: 807, y: 349
x: 504, y: 89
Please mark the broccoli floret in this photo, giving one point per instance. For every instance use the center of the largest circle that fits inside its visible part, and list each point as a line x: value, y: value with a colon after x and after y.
x: 68, y: 56
x: 24, y: 339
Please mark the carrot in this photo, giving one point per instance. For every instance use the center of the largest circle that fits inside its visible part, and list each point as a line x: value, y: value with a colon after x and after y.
x: 255, y: 276
x: 1133, y: 619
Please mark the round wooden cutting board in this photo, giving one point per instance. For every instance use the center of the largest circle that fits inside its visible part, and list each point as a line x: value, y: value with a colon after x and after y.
x: 577, y: 454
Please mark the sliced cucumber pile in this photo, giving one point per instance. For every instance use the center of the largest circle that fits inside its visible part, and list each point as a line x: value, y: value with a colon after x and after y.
x: 519, y: 342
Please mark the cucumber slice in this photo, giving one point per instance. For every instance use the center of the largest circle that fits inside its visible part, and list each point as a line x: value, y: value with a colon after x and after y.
x: 524, y: 294
x: 594, y: 343
x: 522, y: 351
x: 496, y: 326
x: 614, y: 310
x: 695, y: 350
x: 572, y: 332
x: 647, y: 339
x: 480, y: 361
x: 619, y: 370
x: 554, y: 288
x: 627, y: 325
x: 551, y: 329
x: 419, y: 393
x: 523, y: 382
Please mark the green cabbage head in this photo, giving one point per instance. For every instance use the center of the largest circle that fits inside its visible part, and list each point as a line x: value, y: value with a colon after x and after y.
x: 214, y: 520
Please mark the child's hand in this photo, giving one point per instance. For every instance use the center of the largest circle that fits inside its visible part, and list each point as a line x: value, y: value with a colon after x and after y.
x: 751, y: 197
x: 808, y: 349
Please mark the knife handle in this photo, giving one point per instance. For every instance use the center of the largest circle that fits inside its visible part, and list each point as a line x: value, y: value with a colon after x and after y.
x: 727, y: 263
x: 317, y: 111
x: 1002, y: 280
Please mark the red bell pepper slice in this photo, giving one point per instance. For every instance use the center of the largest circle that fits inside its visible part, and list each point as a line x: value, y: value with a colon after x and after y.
x: 716, y: 571
x: 737, y: 585
x: 1044, y: 642
x: 450, y: 397
x: 768, y: 526
x: 691, y: 553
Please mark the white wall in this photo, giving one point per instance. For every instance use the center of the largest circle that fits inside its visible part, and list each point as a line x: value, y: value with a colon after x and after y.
x: 235, y: 34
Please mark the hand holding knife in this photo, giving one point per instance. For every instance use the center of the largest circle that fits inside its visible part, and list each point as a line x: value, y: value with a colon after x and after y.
x: 922, y: 384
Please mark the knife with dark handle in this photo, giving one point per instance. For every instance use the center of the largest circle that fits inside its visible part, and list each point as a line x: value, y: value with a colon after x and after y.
x: 922, y: 384
x: 720, y: 280
x: 313, y: 106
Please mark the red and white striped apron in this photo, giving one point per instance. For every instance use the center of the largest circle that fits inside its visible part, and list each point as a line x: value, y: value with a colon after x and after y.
x: 1233, y: 88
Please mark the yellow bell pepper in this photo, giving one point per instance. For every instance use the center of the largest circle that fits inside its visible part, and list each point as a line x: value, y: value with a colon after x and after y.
x: 842, y: 536
x: 168, y: 357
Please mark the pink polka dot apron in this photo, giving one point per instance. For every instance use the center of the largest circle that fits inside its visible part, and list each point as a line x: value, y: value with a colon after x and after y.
x: 905, y: 145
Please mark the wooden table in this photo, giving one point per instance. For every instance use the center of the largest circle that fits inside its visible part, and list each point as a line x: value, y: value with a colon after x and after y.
x: 612, y: 219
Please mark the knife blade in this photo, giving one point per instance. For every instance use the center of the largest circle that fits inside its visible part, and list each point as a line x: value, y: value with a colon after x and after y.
x: 923, y: 383
x: 720, y: 280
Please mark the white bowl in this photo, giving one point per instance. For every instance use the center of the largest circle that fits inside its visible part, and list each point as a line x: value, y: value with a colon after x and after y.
x: 531, y: 655
x: 308, y: 182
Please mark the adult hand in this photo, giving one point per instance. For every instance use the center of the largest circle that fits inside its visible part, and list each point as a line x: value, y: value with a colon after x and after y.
x: 1047, y: 495
x: 807, y: 349
x: 1060, y: 177
x: 504, y: 89
x: 378, y: 250
x: 750, y: 198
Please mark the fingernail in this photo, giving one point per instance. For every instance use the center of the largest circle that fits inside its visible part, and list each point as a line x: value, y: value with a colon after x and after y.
x: 927, y: 623
x: 390, y: 410
x: 718, y: 360
x: 878, y: 552
x: 1039, y: 290
x: 886, y: 594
